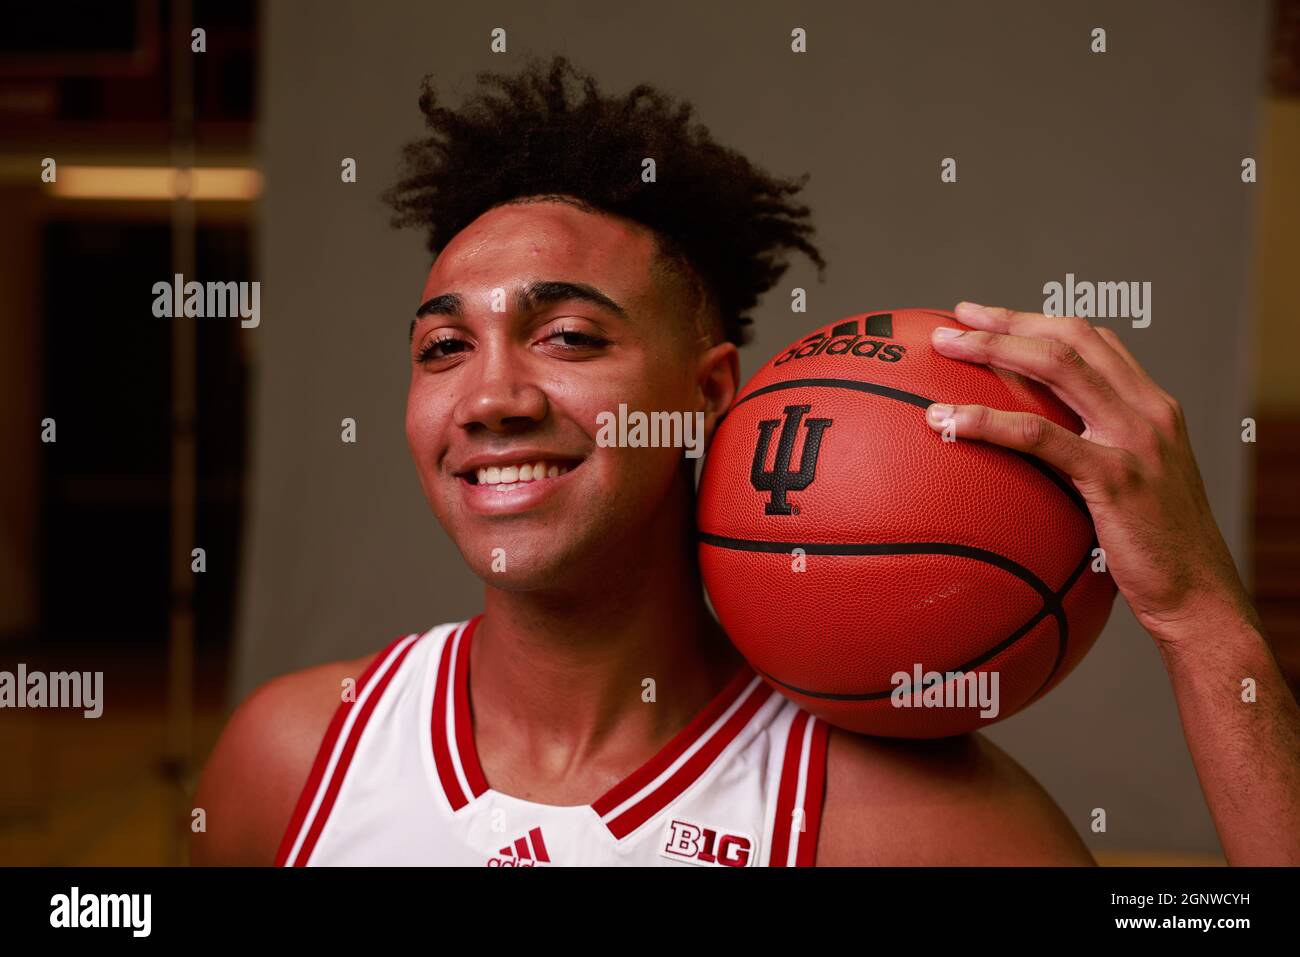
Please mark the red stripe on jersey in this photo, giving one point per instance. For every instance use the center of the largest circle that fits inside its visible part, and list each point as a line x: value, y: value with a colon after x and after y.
x: 438, y: 728
x: 783, y: 822
x: 458, y: 742
x: 539, y: 846
x: 521, y: 848
x: 814, y: 791
x: 697, y: 764
x: 465, y: 748
x: 675, y: 748
x: 326, y: 749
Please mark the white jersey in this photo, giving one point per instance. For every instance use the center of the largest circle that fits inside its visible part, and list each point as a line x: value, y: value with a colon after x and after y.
x: 397, y: 781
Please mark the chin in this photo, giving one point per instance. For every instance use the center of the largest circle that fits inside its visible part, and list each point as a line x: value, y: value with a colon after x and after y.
x: 532, y: 562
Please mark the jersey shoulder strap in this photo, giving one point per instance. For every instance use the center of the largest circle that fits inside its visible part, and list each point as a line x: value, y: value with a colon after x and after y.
x: 797, y: 819
x: 335, y: 753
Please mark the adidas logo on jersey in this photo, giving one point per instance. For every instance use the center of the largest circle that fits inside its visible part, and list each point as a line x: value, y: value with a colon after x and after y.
x: 526, y: 851
x: 707, y: 846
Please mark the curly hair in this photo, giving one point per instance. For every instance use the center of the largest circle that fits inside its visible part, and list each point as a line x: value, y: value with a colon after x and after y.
x: 722, y: 224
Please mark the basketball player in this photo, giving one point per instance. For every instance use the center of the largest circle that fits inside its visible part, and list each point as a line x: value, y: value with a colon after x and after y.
x: 595, y: 713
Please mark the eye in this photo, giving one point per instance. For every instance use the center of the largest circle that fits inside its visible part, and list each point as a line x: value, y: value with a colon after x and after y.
x: 440, y: 347
x: 572, y: 340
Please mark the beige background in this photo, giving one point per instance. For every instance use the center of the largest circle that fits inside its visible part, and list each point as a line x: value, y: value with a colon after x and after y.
x: 1120, y: 166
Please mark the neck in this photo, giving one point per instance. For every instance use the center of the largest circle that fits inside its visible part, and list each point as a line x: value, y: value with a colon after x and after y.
x: 559, y: 680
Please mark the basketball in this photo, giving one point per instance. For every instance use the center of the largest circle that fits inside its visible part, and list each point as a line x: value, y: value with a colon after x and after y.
x: 890, y: 579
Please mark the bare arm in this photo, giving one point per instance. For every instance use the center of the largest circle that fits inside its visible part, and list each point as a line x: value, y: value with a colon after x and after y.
x: 1243, y: 728
x: 252, y: 781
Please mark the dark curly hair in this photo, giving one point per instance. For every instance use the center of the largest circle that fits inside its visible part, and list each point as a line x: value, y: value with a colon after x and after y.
x: 722, y: 224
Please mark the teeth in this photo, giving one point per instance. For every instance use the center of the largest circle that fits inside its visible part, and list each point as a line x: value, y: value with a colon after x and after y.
x: 511, y: 476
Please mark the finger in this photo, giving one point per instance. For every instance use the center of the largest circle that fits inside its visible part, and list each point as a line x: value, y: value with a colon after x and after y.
x: 1156, y: 405
x: 1079, y: 334
x: 1100, y: 347
x: 1112, y: 339
x: 1025, y: 432
x: 988, y: 318
x: 1056, y: 364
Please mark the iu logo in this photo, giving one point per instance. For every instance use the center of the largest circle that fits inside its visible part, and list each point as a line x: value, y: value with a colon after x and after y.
x: 780, y: 480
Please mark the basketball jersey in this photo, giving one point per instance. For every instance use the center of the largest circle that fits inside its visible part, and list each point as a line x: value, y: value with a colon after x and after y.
x: 397, y: 781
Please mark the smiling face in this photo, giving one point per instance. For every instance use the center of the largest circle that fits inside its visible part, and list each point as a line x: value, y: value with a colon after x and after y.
x: 537, y: 318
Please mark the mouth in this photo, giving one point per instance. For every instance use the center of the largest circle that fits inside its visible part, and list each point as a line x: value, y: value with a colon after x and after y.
x: 509, y: 476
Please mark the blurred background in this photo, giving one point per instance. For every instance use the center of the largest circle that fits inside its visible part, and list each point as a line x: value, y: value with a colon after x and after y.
x: 176, y: 434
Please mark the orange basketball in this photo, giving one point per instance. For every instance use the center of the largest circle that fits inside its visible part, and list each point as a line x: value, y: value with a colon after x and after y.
x: 887, y: 580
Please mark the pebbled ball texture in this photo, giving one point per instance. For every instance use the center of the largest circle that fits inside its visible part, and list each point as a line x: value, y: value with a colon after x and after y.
x: 952, y: 556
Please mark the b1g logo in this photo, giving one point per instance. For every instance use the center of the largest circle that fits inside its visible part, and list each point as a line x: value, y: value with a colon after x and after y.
x: 780, y: 480
x: 706, y: 846
x: 846, y: 340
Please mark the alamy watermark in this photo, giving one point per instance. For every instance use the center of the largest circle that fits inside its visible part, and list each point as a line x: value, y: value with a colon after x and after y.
x: 208, y: 300
x: 636, y: 430
x: 1099, y: 300
x: 948, y: 689
x: 58, y: 689
x: 127, y: 911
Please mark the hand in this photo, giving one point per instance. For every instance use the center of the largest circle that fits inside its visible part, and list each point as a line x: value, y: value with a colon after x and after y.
x: 1133, y: 463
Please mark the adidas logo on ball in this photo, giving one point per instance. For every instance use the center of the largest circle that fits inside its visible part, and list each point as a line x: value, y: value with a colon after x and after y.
x: 846, y: 340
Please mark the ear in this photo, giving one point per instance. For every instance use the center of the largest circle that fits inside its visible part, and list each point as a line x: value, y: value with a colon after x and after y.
x: 718, y: 379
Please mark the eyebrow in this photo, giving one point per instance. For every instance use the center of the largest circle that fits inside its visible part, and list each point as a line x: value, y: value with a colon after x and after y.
x: 534, y: 295
x: 448, y: 304
x: 550, y: 291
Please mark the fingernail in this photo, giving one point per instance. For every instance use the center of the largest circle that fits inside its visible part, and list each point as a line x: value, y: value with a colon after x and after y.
x: 969, y: 307
x: 947, y: 332
x: 940, y: 412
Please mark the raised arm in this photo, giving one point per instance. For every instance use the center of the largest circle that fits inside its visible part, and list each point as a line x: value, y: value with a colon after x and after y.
x: 1134, y: 466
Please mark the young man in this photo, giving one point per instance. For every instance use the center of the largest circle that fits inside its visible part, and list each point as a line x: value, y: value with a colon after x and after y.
x: 564, y: 286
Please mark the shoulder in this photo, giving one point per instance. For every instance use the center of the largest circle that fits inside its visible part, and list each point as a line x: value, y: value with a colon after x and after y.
x: 256, y: 772
x: 951, y: 801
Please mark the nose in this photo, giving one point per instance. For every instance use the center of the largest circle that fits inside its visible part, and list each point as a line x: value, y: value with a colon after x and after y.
x: 500, y: 396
